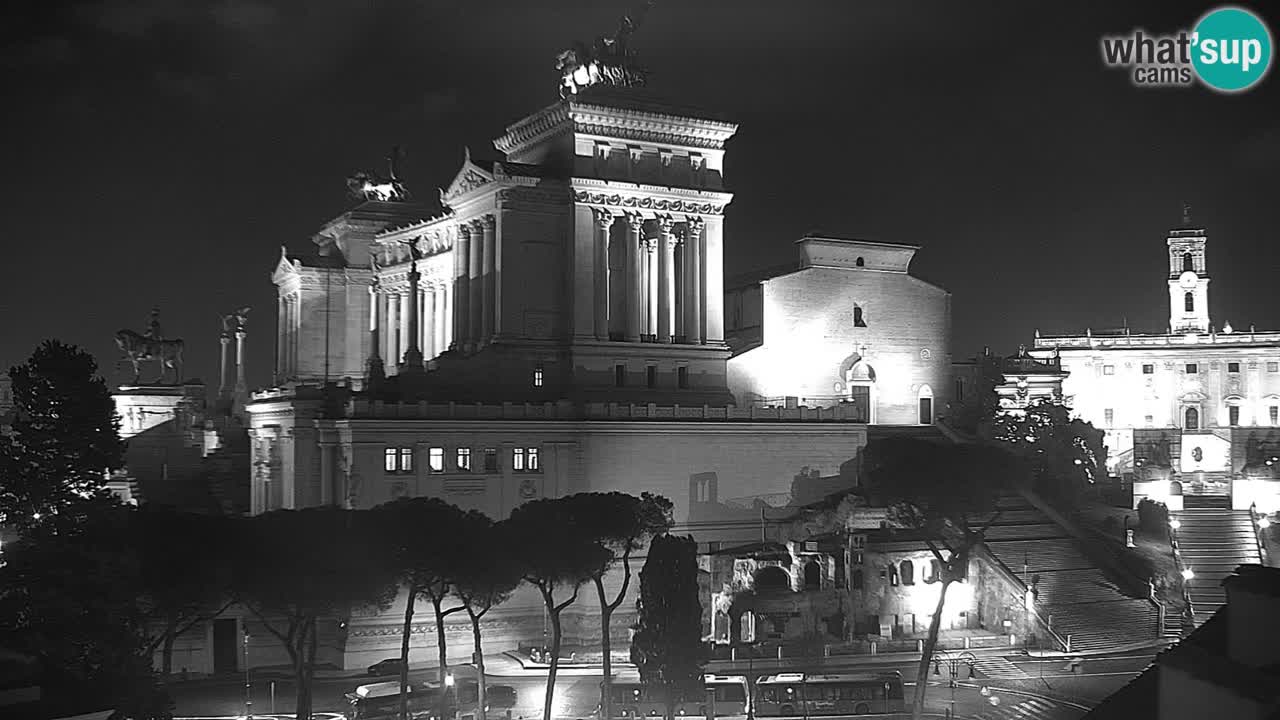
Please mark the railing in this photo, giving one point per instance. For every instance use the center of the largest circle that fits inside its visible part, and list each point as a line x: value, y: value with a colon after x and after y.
x: 1013, y: 579
x: 1046, y: 342
x: 1177, y: 561
x: 564, y: 410
x: 1260, y: 522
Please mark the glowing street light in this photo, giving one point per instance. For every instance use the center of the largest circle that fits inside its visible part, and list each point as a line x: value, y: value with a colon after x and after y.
x: 1175, y: 523
x: 1264, y: 522
x: 1187, y: 574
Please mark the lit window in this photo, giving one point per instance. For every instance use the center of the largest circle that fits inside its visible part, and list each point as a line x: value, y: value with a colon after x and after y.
x: 435, y: 458
x: 1148, y: 369
x: 1233, y: 367
x: 682, y: 377
x: 651, y: 376
x: 1110, y: 416
x: 532, y: 462
x: 464, y: 459
x: 620, y: 375
x: 1274, y: 413
x: 406, y: 460
x: 517, y: 459
x: 893, y: 576
x: 1192, y: 368
x: 389, y: 460
x: 1149, y: 420
x: 537, y: 376
x: 1108, y: 369
x: 490, y: 460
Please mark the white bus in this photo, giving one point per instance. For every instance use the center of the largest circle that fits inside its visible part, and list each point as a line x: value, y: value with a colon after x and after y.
x: 808, y: 695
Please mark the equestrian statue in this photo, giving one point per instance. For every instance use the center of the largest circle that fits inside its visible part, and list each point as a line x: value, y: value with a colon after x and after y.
x: 152, y: 345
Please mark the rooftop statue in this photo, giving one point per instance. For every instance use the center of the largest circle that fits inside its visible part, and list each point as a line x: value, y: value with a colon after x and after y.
x: 606, y: 62
x: 138, y: 348
x: 235, y: 322
x: 369, y: 186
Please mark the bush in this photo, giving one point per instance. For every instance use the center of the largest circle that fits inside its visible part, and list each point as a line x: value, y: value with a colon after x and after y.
x: 1153, y: 517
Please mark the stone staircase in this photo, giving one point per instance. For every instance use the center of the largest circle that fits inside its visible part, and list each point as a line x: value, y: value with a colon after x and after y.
x: 1072, y: 592
x: 1213, y: 541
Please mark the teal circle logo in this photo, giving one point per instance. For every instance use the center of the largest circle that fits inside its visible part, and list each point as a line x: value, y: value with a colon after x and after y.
x: 1231, y: 49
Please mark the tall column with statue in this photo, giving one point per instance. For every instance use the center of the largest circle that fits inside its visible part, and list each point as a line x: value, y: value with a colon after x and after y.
x: 412, y: 361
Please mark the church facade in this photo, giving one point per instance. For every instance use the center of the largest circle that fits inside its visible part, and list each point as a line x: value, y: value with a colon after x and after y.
x: 1193, y: 410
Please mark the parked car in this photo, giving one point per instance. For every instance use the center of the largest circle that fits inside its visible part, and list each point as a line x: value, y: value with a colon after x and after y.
x: 390, y: 666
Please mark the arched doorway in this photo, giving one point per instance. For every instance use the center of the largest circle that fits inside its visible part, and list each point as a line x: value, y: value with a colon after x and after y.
x: 812, y: 575
x: 861, y: 381
x: 772, y: 578
x: 925, y: 402
x: 1191, y: 419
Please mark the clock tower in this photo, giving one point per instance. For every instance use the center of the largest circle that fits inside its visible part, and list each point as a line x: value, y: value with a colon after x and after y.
x: 1188, y: 278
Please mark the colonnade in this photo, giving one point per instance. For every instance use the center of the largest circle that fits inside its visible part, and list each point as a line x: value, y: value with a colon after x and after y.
x: 389, y: 319
x: 288, y: 325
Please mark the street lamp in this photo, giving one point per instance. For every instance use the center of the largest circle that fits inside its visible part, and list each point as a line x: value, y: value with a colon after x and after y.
x: 1264, y: 522
x: 953, y: 664
x: 1187, y: 574
x: 1175, y: 523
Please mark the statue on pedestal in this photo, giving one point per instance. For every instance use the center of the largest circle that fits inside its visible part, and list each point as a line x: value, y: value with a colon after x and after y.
x: 152, y: 345
x: 606, y: 62
x: 370, y: 186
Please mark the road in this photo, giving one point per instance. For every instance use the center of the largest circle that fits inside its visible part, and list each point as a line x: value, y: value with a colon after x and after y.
x: 1024, y: 688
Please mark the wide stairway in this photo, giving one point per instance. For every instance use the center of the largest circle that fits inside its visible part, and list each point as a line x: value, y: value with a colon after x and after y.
x: 1072, y: 592
x: 1214, y: 540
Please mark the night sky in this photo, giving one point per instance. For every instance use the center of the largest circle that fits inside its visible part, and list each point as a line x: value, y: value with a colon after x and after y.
x: 159, y: 152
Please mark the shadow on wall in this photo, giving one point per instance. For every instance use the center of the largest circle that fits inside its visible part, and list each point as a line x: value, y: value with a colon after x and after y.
x: 759, y: 517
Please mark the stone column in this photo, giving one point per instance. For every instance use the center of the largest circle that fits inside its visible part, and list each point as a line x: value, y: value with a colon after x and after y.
x: 635, y: 226
x: 604, y: 221
x: 489, y: 225
x: 446, y: 317
x: 474, y: 302
x: 412, y: 330
x: 242, y: 387
x: 461, y: 291
x: 225, y: 341
x: 429, y: 322
x: 651, y: 281
x: 693, y: 280
x: 393, y: 327
x: 402, y: 324
x: 375, y: 368
x: 666, y: 251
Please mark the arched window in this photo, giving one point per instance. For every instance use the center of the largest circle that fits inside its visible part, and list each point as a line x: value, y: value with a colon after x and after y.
x: 933, y: 572
x: 858, y: 321
x: 1189, y: 302
x: 772, y: 578
x: 860, y: 262
x: 1193, y: 419
x: 908, y: 570
x: 855, y: 579
x: 925, y: 405
x: 1188, y: 263
x: 893, y: 576
x: 812, y: 576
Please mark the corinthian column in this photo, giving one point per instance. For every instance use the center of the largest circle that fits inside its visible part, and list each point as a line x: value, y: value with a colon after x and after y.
x: 393, y: 327
x: 651, y: 287
x: 635, y: 225
x: 666, y: 249
x: 429, y: 322
x: 461, y: 287
x: 604, y: 221
x: 489, y: 270
x: 693, y: 281
x: 412, y: 332
x: 225, y: 340
x: 476, y: 282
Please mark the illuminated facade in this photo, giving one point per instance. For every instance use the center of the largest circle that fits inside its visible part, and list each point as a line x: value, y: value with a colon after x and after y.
x: 1200, y: 404
x: 849, y: 326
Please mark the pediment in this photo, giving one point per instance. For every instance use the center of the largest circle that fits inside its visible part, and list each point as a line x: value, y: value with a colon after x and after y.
x: 284, y: 267
x: 470, y: 176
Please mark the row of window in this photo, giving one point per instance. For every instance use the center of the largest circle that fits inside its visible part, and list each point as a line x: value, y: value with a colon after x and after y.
x: 650, y: 376
x: 1189, y: 368
x: 1192, y: 417
x: 399, y: 460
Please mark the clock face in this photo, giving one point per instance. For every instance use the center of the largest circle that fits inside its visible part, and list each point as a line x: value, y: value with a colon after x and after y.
x: 1188, y: 279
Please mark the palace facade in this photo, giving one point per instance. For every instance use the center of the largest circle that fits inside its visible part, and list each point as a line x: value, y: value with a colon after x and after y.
x: 1193, y: 410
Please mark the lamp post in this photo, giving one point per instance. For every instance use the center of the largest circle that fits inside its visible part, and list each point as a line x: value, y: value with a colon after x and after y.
x: 248, y: 702
x: 953, y: 664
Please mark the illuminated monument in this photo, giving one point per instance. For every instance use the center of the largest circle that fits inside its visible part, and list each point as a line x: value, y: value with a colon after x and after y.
x: 1193, y: 410
x: 555, y: 326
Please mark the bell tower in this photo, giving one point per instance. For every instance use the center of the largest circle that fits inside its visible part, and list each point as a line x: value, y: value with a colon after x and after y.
x: 1188, y: 278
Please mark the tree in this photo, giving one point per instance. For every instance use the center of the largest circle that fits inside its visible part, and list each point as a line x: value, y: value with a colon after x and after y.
x: 486, y: 577
x: 977, y: 410
x: 64, y: 440
x: 554, y: 553
x: 939, y: 489
x: 183, y: 574
x: 667, y: 647
x: 1065, y: 455
x: 622, y: 523
x: 417, y: 529
x: 297, y: 566
x: 68, y: 596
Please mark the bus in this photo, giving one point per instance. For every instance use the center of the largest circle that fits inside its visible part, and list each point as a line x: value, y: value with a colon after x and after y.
x: 729, y: 694
x: 807, y: 695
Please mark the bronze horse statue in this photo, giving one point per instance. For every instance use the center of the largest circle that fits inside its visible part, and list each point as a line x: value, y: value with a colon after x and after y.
x: 139, y: 348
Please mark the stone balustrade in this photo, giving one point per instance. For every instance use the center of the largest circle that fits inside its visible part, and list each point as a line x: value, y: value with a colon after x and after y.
x: 365, y: 409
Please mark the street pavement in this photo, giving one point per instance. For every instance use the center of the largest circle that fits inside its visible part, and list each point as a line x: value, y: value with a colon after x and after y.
x: 1005, y: 687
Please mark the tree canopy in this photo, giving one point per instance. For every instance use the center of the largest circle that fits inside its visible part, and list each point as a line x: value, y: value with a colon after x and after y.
x: 1065, y: 455
x: 667, y: 647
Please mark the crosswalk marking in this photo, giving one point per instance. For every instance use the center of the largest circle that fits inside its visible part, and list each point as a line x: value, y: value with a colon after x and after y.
x: 1030, y: 709
x: 1001, y: 668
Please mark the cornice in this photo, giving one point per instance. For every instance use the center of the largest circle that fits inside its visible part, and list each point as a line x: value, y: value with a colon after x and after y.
x: 650, y: 126
x: 551, y: 120
x: 696, y: 203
